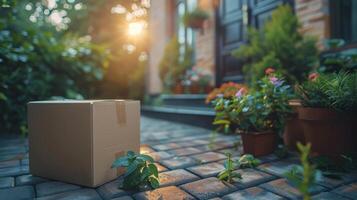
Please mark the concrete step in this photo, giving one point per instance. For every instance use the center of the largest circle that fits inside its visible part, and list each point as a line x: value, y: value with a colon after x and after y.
x: 197, y: 116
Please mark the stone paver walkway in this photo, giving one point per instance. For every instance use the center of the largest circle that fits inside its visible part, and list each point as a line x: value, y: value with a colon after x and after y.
x: 188, y: 163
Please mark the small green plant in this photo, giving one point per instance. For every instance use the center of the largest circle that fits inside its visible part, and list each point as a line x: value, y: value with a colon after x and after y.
x: 247, y: 161
x: 228, y: 173
x: 140, y: 171
x: 306, y: 175
x: 281, y: 152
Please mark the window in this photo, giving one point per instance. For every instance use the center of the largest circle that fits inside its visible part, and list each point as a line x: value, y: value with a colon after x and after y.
x: 344, y: 20
x: 186, y: 36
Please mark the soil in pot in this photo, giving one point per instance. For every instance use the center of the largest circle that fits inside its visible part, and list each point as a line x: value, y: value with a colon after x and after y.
x: 259, y: 143
x: 293, y: 131
x: 330, y: 133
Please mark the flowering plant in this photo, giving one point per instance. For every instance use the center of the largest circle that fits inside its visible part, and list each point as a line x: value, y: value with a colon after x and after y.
x: 227, y: 91
x: 198, y: 75
x: 265, y: 108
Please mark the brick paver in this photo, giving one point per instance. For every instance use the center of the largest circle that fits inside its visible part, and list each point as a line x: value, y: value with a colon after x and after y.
x: 188, y: 163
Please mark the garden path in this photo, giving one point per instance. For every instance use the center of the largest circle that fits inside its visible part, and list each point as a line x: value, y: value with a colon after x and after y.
x: 188, y: 162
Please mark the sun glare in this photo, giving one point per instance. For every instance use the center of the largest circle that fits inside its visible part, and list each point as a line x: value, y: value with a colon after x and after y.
x: 135, y: 28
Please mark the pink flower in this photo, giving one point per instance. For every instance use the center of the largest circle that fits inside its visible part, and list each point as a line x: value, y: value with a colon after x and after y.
x: 313, y: 76
x: 240, y: 93
x: 269, y: 70
x: 275, y: 81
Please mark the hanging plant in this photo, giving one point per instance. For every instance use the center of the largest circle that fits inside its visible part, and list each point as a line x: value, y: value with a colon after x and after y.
x: 195, y: 19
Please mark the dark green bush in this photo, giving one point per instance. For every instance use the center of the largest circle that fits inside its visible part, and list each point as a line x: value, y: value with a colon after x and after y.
x: 39, y: 63
x: 280, y: 45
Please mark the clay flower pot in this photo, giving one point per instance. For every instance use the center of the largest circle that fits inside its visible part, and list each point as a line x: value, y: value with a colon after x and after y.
x: 195, y: 89
x: 195, y: 23
x: 293, y: 132
x: 259, y: 143
x: 178, y: 89
x: 329, y: 132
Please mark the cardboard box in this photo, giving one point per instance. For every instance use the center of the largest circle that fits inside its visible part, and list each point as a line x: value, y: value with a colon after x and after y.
x: 77, y: 141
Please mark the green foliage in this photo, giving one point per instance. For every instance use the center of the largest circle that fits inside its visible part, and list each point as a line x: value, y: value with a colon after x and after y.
x: 174, y: 64
x: 280, y: 45
x: 228, y: 173
x: 305, y: 176
x: 335, y: 91
x: 140, y: 171
x: 265, y: 108
x: 247, y: 161
x: 334, y: 61
x: 37, y: 64
x: 197, y: 14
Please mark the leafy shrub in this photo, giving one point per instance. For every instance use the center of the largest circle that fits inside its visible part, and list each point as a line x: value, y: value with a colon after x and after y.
x: 337, y: 91
x: 140, y: 171
x: 38, y: 63
x: 280, y: 45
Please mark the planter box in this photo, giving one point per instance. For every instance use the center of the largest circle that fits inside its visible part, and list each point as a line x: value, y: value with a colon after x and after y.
x: 77, y: 141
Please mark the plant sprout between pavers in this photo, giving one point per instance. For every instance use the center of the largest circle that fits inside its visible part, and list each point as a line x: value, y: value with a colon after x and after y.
x: 141, y: 171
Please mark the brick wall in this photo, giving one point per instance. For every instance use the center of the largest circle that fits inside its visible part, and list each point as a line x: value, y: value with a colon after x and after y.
x: 314, y: 18
x: 205, y: 40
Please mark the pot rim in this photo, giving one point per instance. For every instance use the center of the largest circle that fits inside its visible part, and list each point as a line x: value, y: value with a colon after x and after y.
x: 258, y: 132
x: 314, y: 113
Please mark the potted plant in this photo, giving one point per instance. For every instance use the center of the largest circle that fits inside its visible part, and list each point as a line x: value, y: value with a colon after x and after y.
x: 329, y: 113
x: 292, y: 129
x: 195, y: 19
x: 198, y: 80
x: 226, y: 92
x: 259, y: 115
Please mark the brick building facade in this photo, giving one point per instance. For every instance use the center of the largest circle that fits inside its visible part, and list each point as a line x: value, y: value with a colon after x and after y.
x: 314, y: 16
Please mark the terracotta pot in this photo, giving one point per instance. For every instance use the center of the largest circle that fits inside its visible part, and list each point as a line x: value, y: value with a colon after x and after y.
x: 195, y: 23
x: 293, y: 132
x: 178, y: 89
x: 329, y: 132
x: 259, y: 143
x: 195, y: 89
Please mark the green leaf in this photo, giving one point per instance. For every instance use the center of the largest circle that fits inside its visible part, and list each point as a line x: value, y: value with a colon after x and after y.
x: 132, y: 167
x: 222, y: 121
x: 153, y: 170
x: 121, y: 162
x: 131, y: 154
x: 154, y: 182
x: 145, y: 158
x: 223, y: 175
x: 145, y: 173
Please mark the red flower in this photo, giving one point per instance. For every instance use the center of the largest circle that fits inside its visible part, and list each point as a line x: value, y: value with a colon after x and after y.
x: 313, y: 76
x: 269, y: 70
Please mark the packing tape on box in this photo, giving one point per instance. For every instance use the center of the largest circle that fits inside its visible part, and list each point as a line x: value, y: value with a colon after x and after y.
x: 121, y: 112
